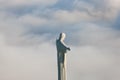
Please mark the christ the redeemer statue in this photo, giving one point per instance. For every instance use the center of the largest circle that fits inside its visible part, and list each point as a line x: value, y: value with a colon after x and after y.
x: 61, y: 56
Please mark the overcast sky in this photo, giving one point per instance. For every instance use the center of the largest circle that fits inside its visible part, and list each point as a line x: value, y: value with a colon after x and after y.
x: 28, y: 30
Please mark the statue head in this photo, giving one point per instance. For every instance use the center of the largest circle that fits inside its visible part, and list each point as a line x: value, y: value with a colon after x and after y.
x: 62, y: 36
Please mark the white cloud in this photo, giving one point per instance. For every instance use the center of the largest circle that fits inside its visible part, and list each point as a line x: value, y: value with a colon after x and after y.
x: 114, y: 3
x: 94, y: 51
x: 102, y: 33
x: 104, y: 9
x: 71, y: 17
x: 92, y: 11
x: 27, y: 62
x: 32, y: 20
x: 92, y: 61
x: 22, y: 3
x: 97, y: 35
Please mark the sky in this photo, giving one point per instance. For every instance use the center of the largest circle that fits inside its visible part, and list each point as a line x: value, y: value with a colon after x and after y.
x: 29, y: 29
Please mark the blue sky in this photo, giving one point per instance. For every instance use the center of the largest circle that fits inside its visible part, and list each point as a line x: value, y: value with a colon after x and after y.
x: 28, y: 30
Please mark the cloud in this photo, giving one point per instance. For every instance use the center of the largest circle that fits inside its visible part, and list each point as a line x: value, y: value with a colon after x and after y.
x: 38, y: 23
x: 116, y: 23
x: 91, y: 62
x: 86, y: 34
x: 27, y: 62
x: 114, y: 4
x: 23, y: 3
x: 28, y: 34
x: 97, y: 58
x: 71, y: 17
x: 102, y: 10
x: 32, y: 20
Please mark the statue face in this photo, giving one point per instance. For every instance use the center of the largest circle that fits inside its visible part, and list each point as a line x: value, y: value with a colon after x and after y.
x: 62, y: 36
